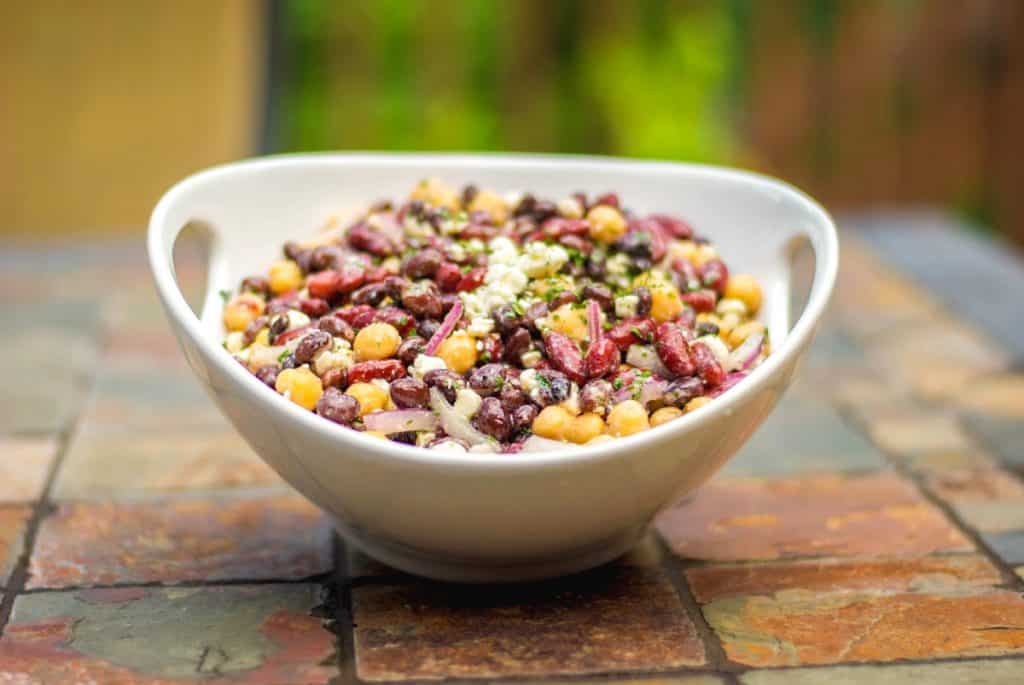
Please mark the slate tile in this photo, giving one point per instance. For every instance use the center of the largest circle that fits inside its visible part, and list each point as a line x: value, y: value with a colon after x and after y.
x: 13, y: 522
x: 618, y: 618
x: 1005, y: 435
x: 982, y: 672
x: 104, y: 464
x: 24, y: 465
x: 130, y: 636
x: 917, y: 433
x: 274, y: 536
x: 814, y: 516
x: 914, y: 574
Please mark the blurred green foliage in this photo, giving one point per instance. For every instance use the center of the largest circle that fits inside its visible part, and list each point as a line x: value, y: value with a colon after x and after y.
x: 650, y: 78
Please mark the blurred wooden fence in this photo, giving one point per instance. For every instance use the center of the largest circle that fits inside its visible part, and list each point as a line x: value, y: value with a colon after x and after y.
x: 861, y: 102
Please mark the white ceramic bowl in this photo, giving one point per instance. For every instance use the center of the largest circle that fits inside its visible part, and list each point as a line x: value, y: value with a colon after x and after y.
x: 486, y: 517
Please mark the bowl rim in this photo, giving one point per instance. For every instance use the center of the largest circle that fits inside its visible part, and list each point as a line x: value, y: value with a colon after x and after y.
x: 161, y: 265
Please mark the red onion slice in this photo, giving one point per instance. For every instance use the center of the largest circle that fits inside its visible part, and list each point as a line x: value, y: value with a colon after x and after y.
x: 743, y: 357
x: 446, y: 327
x: 646, y: 357
x: 401, y: 420
x: 594, y: 320
x: 455, y: 424
x: 730, y: 380
x: 652, y: 389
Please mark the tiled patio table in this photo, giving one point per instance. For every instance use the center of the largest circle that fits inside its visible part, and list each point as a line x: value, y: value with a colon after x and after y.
x: 871, y: 532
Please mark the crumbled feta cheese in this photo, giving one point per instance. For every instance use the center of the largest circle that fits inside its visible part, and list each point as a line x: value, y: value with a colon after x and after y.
x: 467, y: 402
x: 235, y: 341
x: 572, y: 403
x: 338, y: 356
x: 425, y: 363
x: 570, y: 208
x: 530, y: 358
x: 456, y: 252
x: 717, y: 347
x: 480, y: 326
x: 626, y: 306
x: 502, y: 251
x: 424, y: 438
x: 474, y: 246
x: 540, y: 260
x: 617, y: 268
x: 416, y: 229
x: 528, y: 380
x: 261, y: 355
x: 729, y: 305
x: 382, y: 384
x: 449, y: 446
x: 296, y: 319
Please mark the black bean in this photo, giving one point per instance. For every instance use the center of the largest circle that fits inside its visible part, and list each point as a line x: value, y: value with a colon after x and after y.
x: 255, y: 284
x: 428, y: 327
x: 405, y: 437
x: 512, y: 396
x: 469, y: 194
x: 636, y: 244
x: 492, y: 419
x: 448, y: 382
x: 423, y: 264
x: 334, y: 405
x: 487, y: 380
x: 644, y: 301
x: 596, y: 266
x: 522, y: 418
x: 506, y: 318
x: 410, y: 348
x: 553, y: 387
x: 516, y: 344
x: 562, y: 298
x: 254, y: 328
x: 595, y: 395
x: 409, y: 393
x: 372, y: 294
x: 600, y: 293
x: 448, y: 301
x: 311, y: 344
x: 289, y: 362
x: 707, y: 328
x: 326, y: 257
x: 338, y: 327
x: 682, y: 390
x: 278, y: 325
x: 268, y: 374
x: 537, y: 310
x: 423, y: 299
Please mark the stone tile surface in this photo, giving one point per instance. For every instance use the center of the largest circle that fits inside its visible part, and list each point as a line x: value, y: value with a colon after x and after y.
x: 24, y: 465
x: 619, y: 618
x: 816, y: 516
x: 277, y: 536
x: 103, y: 464
x: 980, y: 672
x: 13, y: 522
x: 128, y: 636
x: 918, y: 433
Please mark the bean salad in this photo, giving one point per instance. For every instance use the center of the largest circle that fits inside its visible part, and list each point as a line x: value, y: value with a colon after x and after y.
x: 479, y: 322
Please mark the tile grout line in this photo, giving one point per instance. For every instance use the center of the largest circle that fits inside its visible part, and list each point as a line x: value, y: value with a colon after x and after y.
x: 44, y: 507
x: 1010, y: 579
x: 714, y: 652
x: 344, y: 624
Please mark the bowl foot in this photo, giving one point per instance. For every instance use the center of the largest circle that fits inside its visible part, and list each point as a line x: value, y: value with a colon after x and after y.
x: 438, y: 567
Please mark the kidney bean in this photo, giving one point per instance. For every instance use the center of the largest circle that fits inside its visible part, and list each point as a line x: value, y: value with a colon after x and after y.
x: 492, y: 420
x: 388, y: 369
x: 364, y: 238
x: 410, y: 348
x: 487, y: 380
x: 700, y: 300
x: 338, y: 327
x: 350, y: 314
x: 278, y: 325
x: 448, y: 382
x: 326, y: 257
x: 595, y: 395
x: 644, y: 300
x: 557, y: 226
x: 522, y: 417
x: 610, y: 199
x: 298, y: 254
x: 469, y: 193
x: 423, y: 264
x: 575, y: 242
x: 684, y: 275
x: 714, y: 274
x: 480, y: 227
x: 410, y: 393
x: 313, y: 306
x: 323, y: 285
x: 687, y: 319
x: 376, y: 274
x: 423, y: 300
x: 336, y: 406
x: 565, y: 355
x: 268, y: 374
x: 255, y: 284
x: 282, y: 303
x: 448, y: 277
x: 398, y: 318
x: 635, y: 331
x: 673, y: 226
x: 673, y: 350
x: 349, y: 278
x: 311, y: 344
x: 372, y: 294
x: 335, y: 378
x: 364, y: 319
x: 602, y: 357
x: 448, y: 301
x: 682, y: 390
x: 708, y: 367
x: 292, y: 334
x: 472, y: 280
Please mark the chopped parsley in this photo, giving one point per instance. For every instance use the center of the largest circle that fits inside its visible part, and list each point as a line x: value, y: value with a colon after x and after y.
x: 281, y: 357
x: 617, y: 383
x: 225, y: 295
x: 543, y: 380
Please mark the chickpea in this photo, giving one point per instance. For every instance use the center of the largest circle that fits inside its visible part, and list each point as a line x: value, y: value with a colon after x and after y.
x: 377, y: 341
x: 458, y: 351
x: 371, y: 397
x: 744, y: 331
x: 666, y: 304
x: 300, y: 385
x: 627, y: 418
x: 664, y: 415
x: 552, y: 284
x: 432, y: 192
x: 285, y: 276
x: 704, y: 254
x: 601, y: 439
x: 552, y: 422
x: 262, y: 338
x: 682, y: 249
x: 584, y: 428
x: 570, y: 320
x: 696, y: 403
x: 242, y: 311
x: 606, y: 224
x: 745, y: 288
x: 491, y: 202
